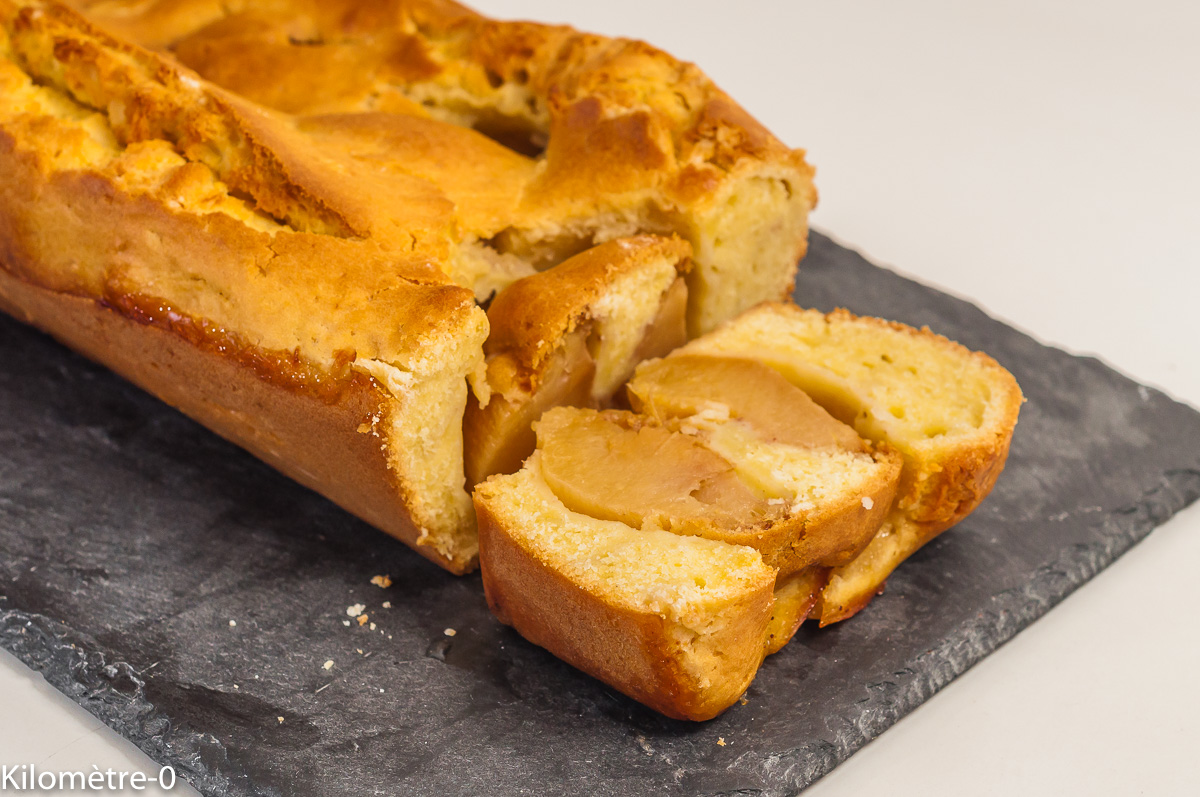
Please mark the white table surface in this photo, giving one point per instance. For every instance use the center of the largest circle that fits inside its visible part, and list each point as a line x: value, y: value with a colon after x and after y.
x: 1042, y: 159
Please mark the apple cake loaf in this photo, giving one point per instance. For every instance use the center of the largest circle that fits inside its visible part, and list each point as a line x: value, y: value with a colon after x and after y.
x: 294, y: 243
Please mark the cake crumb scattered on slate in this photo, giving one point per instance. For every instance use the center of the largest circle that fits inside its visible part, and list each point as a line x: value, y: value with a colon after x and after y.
x: 387, y: 604
x: 721, y: 741
x: 280, y: 720
x: 383, y: 582
x: 362, y: 619
x: 449, y: 632
x: 233, y: 623
x: 328, y: 665
x: 356, y: 609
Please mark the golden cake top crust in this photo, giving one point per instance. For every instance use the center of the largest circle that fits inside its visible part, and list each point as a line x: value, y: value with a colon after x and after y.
x: 322, y: 56
x: 265, y: 238
x: 598, y: 137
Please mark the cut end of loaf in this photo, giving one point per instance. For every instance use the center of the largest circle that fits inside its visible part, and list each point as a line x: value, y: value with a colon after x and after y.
x: 748, y: 245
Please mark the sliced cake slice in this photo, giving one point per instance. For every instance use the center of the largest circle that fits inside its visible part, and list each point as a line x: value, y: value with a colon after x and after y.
x: 572, y: 336
x: 948, y: 410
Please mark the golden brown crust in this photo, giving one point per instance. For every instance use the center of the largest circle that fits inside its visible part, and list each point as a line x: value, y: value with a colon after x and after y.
x: 159, y: 104
x: 639, y: 653
x: 835, y: 606
x: 966, y: 478
x: 325, y: 444
x: 623, y: 138
x: 250, y: 149
x: 530, y: 318
x: 576, y: 80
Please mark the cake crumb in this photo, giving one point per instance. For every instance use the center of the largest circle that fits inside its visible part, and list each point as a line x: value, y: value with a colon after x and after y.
x: 362, y: 619
x: 280, y: 720
x: 387, y: 604
x: 449, y: 632
x: 801, y: 505
x: 372, y: 626
x: 356, y: 609
x: 346, y: 623
x: 328, y: 665
x: 868, y: 502
x: 233, y: 623
x: 383, y: 582
x: 721, y: 740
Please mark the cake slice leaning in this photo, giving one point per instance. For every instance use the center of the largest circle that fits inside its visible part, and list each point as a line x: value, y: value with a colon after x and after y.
x: 949, y: 411
x: 572, y: 336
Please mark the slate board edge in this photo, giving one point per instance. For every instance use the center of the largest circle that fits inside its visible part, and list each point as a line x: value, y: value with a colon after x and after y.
x: 114, y: 692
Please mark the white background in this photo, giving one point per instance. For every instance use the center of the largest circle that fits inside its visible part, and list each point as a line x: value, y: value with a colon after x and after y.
x: 1040, y: 158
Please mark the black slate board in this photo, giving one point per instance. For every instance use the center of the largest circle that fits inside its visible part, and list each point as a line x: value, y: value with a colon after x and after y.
x: 130, y: 537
